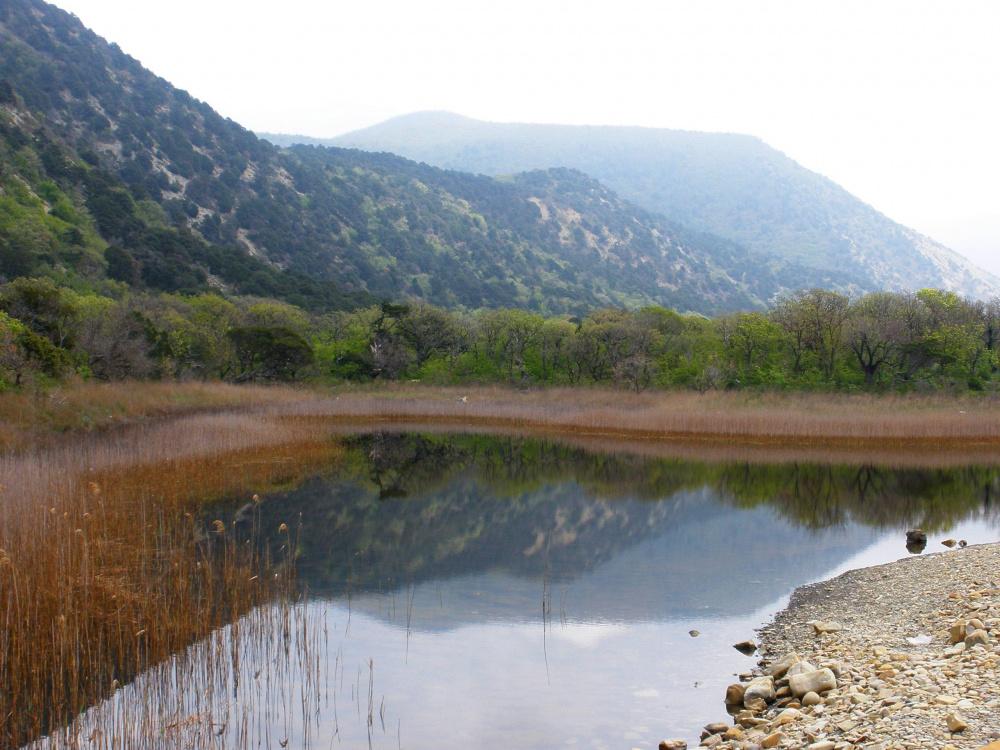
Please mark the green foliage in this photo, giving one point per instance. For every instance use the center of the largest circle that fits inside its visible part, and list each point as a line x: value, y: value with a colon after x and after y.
x: 269, y: 353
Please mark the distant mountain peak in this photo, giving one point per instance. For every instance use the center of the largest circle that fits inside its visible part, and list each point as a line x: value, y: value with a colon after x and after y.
x: 732, y: 185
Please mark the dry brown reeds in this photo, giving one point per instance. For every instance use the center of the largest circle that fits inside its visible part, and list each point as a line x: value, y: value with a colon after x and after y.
x: 30, y: 417
x: 789, y: 420
x: 105, y: 566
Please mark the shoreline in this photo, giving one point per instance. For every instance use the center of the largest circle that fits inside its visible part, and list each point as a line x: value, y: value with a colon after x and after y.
x: 913, y: 668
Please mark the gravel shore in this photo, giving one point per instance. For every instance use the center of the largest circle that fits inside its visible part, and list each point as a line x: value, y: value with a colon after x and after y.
x: 913, y: 648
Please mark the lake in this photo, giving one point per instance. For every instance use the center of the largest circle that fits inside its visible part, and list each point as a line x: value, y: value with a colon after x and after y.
x: 486, y: 591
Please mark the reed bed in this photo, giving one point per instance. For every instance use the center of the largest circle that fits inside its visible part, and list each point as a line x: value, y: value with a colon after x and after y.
x: 31, y: 417
x: 107, y: 567
x: 773, y: 419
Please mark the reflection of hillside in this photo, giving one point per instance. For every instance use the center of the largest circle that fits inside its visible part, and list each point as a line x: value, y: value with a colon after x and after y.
x: 632, y: 531
x: 704, y: 559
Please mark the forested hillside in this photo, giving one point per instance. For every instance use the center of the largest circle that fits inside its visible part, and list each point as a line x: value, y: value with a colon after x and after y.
x: 734, y: 186
x: 165, y: 194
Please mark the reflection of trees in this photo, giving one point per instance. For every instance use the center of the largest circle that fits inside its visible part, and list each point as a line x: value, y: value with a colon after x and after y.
x: 411, y: 507
x: 821, y: 496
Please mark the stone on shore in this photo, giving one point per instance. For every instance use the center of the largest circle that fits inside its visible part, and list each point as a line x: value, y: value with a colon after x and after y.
x: 760, y: 688
x: 673, y: 745
x: 778, y: 668
x: 817, y: 681
x: 734, y: 694
x: 811, y: 699
x: 956, y: 723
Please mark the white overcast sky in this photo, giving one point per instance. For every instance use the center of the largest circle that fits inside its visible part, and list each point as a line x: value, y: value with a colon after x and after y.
x: 897, y: 100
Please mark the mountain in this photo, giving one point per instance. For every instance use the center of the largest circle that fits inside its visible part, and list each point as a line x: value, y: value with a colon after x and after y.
x: 109, y: 172
x: 733, y: 186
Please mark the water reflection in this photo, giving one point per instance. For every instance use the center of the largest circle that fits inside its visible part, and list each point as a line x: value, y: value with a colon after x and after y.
x: 505, y: 592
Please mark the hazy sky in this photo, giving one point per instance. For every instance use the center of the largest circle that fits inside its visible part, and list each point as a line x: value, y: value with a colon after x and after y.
x: 894, y: 99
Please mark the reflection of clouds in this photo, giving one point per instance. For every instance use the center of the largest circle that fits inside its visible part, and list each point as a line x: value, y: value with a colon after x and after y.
x: 585, y: 635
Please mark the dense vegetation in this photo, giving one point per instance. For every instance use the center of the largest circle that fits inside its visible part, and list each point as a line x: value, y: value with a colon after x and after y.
x: 732, y: 186
x: 109, y: 172
x: 816, y: 339
x: 144, y: 236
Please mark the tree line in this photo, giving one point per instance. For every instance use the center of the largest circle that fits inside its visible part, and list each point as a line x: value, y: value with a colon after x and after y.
x: 814, y: 339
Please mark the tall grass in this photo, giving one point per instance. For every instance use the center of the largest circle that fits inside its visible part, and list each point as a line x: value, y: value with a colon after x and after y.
x: 106, y: 566
x: 30, y: 417
x: 789, y: 419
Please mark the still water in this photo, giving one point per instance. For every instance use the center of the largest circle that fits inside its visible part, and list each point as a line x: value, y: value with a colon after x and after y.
x: 473, y: 591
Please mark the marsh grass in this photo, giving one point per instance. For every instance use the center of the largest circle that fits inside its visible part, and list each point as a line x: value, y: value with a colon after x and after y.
x: 29, y: 418
x: 750, y: 418
x: 107, y: 566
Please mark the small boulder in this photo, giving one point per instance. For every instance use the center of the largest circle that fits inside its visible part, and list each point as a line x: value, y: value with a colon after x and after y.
x: 734, y: 694
x: 822, y: 626
x: 817, y: 681
x: 822, y: 745
x: 957, y: 632
x: 778, y: 668
x: 977, y: 638
x: 956, y: 723
x: 811, y: 699
x: 916, y: 536
x: 772, y: 740
x: 745, y: 647
x: 800, y: 668
x: 761, y: 688
x: 787, y: 717
x: 673, y: 745
x: 694, y: 633
x: 716, y: 727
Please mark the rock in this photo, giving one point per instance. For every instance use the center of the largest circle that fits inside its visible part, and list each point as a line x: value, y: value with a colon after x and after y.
x: 787, y: 717
x: 694, y: 633
x: 949, y: 543
x: 811, y: 699
x: 716, y: 727
x: 734, y: 694
x: 800, y: 668
x: 778, y: 668
x: 756, y: 705
x: 820, y: 626
x: 772, y: 740
x: 733, y: 733
x: 822, y: 745
x: 955, y: 723
x: 957, y: 632
x: 745, y: 647
x: 673, y: 745
x: 817, y: 681
x: 760, y: 688
x: 977, y: 638
x: 920, y: 640
x: 712, y: 740
x: 916, y: 536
